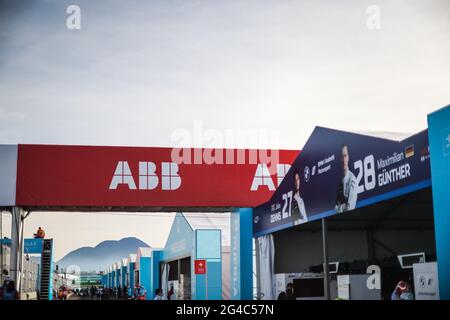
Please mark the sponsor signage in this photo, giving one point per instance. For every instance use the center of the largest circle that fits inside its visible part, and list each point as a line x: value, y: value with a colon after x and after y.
x: 340, y: 171
x: 87, y: 176
x: 200, y: 266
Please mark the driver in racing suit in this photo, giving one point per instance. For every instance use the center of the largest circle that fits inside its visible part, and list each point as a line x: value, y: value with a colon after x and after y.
x: 347, y: 194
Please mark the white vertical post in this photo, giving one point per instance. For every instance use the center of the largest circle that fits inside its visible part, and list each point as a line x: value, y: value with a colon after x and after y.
x: 258, y: 270
x: 326, y: 275
x: 16, y: 244
x: 21, y: 252
x: 206, y: 279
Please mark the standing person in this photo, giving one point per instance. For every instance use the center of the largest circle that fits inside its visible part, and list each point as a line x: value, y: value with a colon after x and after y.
x: 298, y: 205
x: 142, y: 293
x: 402, y: 291
x: 288, y: 294
x: 3, y: 288
x: 6, y: 279
x: 129, y: 293
x: 5, y: 276
x: 10, y: 293
x: 158, y: 294
x: 136, y: 291
x: 347, y: 190
x: 62, y: 292
x: 170, y: 293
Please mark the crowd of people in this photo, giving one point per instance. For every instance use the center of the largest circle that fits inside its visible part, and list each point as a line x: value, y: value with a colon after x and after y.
x: 125, y: 293
x: 61, y: 293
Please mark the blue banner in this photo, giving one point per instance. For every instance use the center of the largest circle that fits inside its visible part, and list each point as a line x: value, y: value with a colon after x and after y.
x: 340, y: 171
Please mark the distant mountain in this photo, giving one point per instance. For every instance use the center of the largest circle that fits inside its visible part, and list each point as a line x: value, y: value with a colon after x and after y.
x: 101, y: 256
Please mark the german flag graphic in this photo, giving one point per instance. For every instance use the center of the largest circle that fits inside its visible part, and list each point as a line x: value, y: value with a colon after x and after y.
x: 409, y: 151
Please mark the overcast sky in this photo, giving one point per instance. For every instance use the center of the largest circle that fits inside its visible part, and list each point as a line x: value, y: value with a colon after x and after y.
x: 137, y: 71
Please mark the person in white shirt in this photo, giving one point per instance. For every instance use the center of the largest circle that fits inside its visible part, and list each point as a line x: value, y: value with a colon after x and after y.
x: 158, y: 294
x: 347, y: 195
x: 298, y: 205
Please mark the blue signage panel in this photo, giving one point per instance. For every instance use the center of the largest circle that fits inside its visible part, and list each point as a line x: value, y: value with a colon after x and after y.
x: 339, y: 171
x: 33, y: 246
x: 209, y: 244
x: 439, y: 136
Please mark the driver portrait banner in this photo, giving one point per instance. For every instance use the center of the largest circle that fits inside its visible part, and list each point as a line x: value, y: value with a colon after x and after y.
x: 340, y: 171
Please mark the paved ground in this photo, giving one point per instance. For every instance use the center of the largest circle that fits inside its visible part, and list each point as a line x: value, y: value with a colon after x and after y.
x: 73, y: 296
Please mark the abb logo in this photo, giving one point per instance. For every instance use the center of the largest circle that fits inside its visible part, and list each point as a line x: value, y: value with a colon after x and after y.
x: 148, y: 179
x: 263, y: 178
x: 171, y: 180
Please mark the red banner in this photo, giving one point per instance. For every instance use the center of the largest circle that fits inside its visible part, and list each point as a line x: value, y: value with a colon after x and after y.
x: 88, y: 176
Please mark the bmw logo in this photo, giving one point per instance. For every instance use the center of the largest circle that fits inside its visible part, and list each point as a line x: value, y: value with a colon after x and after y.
x: 307, y: 173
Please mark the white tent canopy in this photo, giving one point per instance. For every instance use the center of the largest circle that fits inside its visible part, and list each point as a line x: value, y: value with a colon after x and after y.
x: 211, y: 220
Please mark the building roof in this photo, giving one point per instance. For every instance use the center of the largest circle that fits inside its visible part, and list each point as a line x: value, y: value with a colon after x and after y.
x: 211, y: 220
x: 144, y: 252
x: 131, y: 257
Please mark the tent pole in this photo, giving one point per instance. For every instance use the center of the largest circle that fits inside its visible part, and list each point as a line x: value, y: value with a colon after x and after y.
x: 16, y: 244
x: 258, y: 270
x: 326, y: 275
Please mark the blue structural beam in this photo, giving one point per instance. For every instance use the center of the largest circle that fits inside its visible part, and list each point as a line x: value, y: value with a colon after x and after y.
x: 208, y: 246
x: 209, y: 285
x: 118, y: 279
x: 154, y: 274
x: 241, y: 254
x: 131, y: 274
x: 439, y: 140
x: 144, y: 275
x: 124, y: 276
